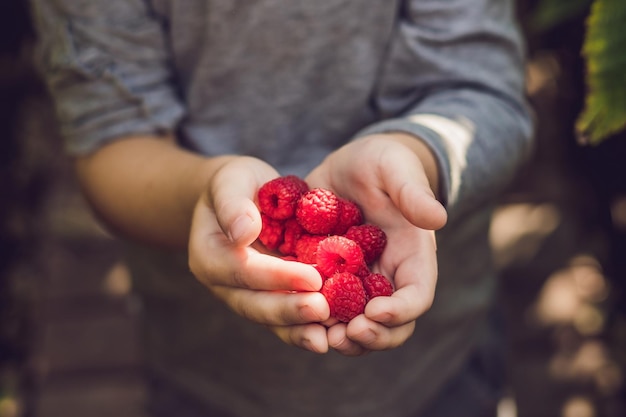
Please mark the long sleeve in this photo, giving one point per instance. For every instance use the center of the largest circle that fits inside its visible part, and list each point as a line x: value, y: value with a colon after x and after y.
x: 107, y: 67
x: 455, y: 78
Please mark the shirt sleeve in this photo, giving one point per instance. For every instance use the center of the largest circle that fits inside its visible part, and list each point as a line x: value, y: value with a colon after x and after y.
x: 455, y: 78
x: 107, y: 69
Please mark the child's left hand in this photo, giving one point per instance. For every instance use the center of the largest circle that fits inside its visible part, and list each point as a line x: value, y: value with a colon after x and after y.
x: 392, y: 178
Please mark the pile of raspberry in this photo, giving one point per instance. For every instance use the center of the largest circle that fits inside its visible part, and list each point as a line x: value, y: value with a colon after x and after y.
x: 317, y: 227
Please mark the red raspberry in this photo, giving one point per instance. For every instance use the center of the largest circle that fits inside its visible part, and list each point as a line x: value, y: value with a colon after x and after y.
x: 339, y: 254
x: 306, y: 248
x: 293, y: 232
x: 272, y: 231
x: 363, y: 271
x: 318, y: 211
x: 278, y: 198
x: 371, y: 238
x: 377, y: 285
x: 345, y: 295
x: 349, y: 215
x: 324, y: 278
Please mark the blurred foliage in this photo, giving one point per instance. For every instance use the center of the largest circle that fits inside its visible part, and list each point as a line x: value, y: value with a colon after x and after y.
x: 549, y: 13
x: 604, y: 51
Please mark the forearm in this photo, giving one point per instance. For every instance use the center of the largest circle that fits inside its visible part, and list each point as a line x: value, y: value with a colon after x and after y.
x: 144, y: 188
x: 482, y: 140
x: 455, y: 78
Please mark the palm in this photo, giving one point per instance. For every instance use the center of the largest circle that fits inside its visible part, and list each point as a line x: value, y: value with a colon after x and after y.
x: 393, y: 194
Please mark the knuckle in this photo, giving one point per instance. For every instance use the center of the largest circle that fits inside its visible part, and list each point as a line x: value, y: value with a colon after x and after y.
x: 239, y: 279
x: 246, y: 311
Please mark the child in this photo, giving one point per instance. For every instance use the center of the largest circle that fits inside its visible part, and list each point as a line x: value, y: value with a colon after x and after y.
x: 177, y: 112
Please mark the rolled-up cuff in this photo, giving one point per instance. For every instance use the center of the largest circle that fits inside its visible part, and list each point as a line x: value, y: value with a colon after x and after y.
x: 447, y: 138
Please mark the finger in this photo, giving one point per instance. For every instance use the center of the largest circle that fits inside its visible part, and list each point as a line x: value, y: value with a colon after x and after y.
x: 215, y: 260
x: 310, y: 336
x: 247, y: 268
x: 275, y: 308
x: 375, y: 336
x: 232, y: 198
x: 405, y: 305
x: 405, y: 181
x: 331, y: 321
x: 411, y: 260
x: 339, y: 341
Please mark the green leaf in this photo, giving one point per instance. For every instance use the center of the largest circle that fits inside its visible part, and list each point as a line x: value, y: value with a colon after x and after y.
x: 604, y: 50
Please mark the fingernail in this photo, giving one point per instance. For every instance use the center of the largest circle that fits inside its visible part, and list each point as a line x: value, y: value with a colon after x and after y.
x: 308, y: 345
x: 367, y: 337
x: 311, y: 314
x: 301, y: 284
x: 239, y: 227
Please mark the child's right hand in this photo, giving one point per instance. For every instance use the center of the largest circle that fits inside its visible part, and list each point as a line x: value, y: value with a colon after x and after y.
x: 257, y: 286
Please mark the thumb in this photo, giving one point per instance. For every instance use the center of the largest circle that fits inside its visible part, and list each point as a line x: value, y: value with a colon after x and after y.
x: 422, y: 209
x: 231, y: 197
x: 407, y: 185
x: 239, y: 218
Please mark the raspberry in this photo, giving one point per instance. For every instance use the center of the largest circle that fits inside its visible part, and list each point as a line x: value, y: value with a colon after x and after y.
x: 271, y: 232
x: 318, y: 211
x: 349, y: 215
x: 319, y: 228
x: 363, y: 271
x: 324, y: 278
x: 345, y: 295
x: 371, y: 238
x: 278, y: 198
x: 339, y: 254
x: 377, y: 285
x: 293, y: 232
x: 306, y: 248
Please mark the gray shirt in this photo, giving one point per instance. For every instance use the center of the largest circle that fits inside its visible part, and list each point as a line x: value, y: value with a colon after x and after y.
x: 289, y: 81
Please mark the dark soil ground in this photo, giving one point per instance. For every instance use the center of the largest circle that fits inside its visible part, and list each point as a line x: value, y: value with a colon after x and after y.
x: 69, y: 320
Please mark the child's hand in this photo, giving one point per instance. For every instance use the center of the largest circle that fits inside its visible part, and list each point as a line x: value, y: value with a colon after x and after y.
x: 257, y: 286
x: 391, y: 177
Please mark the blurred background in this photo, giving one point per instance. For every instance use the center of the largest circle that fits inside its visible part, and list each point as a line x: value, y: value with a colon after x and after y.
x: 68, y: 321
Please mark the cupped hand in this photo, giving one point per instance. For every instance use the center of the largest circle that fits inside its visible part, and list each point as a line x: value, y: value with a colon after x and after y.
x: 391, y: 177
x: 261, y: 287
